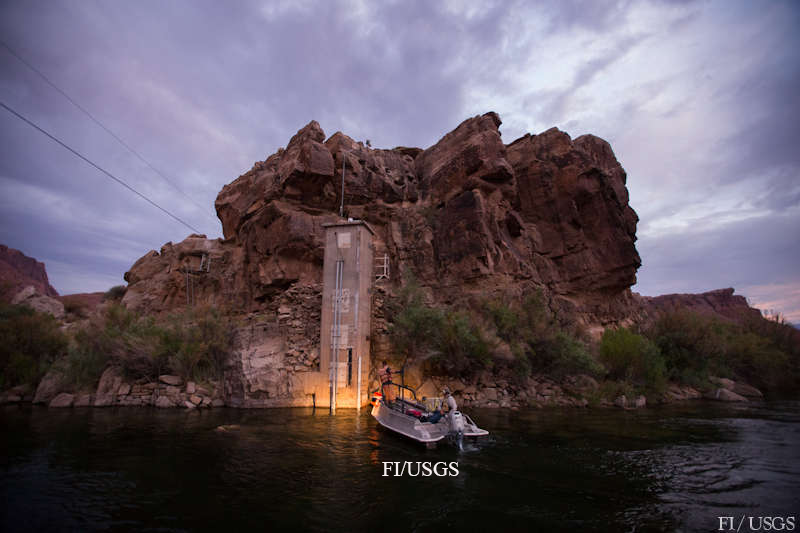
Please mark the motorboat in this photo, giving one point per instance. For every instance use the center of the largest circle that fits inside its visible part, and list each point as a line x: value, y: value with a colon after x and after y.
x: 422, y: 420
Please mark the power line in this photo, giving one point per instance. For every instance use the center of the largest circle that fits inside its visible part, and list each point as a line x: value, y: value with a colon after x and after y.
x: 96, y: 121
x: 98, y: 167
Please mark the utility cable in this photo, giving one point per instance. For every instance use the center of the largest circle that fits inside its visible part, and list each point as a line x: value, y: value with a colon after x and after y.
x: 98, y: 167
x: 96, y: 121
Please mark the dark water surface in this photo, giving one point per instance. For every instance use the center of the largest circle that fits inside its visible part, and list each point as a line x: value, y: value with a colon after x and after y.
x: 141, y: 469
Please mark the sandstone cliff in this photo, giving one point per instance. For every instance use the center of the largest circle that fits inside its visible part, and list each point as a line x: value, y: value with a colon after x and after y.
x: 722, y: 304
x: 18, y: 271
x: 468, y: 215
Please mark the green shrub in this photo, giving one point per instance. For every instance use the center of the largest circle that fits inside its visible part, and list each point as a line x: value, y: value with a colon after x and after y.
x: 115, y: 293
x: 562, y: 355
x: 415, y: 327
x: 505, y: 319
x: 451, y: 342
x: 538, y: 341
x: 634, y: 358
x: 522, y: 364
x: 199, y: 344
x: 193, y: 345
x: 693, y: 346
x: 7, y: 292
x: 76, y: 309
x: 461, y: 347
x: 765, y: 353
x: 465, y: 341
x: 29, y: 343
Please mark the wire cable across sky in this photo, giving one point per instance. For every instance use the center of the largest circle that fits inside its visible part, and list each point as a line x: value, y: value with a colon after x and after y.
x: 103, y: 126
x: 98, y: 167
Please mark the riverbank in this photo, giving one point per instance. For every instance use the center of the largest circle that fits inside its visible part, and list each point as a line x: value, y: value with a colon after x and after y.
x: 486, y: 391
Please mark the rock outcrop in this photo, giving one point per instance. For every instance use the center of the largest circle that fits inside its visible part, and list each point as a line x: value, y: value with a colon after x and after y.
x: 31, y: 297
x: 722, y: 304
x: 18, y: 271
x: 470, y: 217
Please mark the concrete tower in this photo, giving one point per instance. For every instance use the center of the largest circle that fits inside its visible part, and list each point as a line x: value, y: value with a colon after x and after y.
x: 346, y: 311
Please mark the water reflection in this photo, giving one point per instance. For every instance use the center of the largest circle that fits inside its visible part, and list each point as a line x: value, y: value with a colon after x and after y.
x: 597, y: 470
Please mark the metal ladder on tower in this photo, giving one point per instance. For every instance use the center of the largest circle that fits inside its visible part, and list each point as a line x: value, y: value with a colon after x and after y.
x: 382, y: 267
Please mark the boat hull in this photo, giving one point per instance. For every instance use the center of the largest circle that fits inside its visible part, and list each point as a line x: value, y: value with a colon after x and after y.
x: 423, y: 432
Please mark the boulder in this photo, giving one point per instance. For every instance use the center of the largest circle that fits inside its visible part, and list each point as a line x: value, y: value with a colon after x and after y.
x: 488, y: 394
x: 83, y: 400
x: 725, y: 395
x: 189, y: 405
x: 62, y: 400
x: 725, y: 383
x: 640, y: 402
x: 10, y: 397
x: 191, y: 387
x: 124, y: 389
x: 621, y: 401
x: 195, y: 399
x: 109, y: 384
x: 163, y: 402
x: 676, y: 392
x: 748, y: 391
x: 175, y: 381
x: 51, y: 384
x: 20, y: 393
x: 41, y: 303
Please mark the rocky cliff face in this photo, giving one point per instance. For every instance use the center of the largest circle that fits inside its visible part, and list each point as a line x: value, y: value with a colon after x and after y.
x: 18, y: 271
x: 469, y: 217
x: 722, y: 304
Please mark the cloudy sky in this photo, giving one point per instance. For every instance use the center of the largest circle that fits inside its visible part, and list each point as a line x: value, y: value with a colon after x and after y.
x: 698, y: 99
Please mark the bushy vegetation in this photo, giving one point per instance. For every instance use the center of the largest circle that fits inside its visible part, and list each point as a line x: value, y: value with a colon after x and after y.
x: 461, y: 342
x: 115, y: 293
x: 524, y: 336
x: 75, y: 309
x: 765, y: 353
x: 193, y: 345
x: 538, y: 341
x: 29, y: 343
x: 632, y: 358
x: 462, y: 348
x: 449, y: 340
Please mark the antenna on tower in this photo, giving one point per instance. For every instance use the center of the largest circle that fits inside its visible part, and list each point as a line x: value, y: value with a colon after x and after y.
x: 341, y: 207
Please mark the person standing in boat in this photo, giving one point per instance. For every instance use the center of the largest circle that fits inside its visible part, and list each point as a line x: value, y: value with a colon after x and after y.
x: 451, y: 402
x: 385, y: 375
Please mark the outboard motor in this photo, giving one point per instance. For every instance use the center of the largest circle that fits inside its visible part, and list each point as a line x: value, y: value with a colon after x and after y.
x: 457, y: 424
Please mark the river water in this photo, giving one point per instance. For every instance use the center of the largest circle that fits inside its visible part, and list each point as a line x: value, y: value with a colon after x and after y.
x: 677, y: 468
